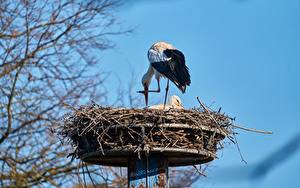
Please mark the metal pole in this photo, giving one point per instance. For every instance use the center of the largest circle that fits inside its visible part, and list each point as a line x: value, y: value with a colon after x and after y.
x: 151, y: 173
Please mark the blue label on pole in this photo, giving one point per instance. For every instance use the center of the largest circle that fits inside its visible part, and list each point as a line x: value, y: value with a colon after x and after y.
x: 155, y: 173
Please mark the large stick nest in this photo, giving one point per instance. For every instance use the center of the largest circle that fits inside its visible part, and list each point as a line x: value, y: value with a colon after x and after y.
x: 99, y: 129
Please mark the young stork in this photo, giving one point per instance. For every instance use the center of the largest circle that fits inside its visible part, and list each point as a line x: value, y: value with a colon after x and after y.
x: 173, y: 103
x: 165, y: 61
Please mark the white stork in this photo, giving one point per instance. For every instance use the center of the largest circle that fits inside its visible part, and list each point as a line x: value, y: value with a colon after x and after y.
x: 173, y: 103
x: 165, y: 61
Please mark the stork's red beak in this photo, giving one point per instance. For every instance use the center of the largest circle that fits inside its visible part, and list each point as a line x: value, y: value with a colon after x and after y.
x: 146, y: 97
x: 145, y: 92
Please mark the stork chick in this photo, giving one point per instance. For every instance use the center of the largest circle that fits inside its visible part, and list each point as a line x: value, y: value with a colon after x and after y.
x: 174, y: 102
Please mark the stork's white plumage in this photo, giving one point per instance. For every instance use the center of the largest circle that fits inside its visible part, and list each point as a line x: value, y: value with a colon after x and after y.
x: 165, y: 61
x: 173, y: 103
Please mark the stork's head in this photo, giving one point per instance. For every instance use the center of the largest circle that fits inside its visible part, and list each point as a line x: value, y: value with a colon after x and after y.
x: 175, y: 102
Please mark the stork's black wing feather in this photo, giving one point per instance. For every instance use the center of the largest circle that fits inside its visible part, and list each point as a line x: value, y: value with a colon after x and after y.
x: 174, y: 69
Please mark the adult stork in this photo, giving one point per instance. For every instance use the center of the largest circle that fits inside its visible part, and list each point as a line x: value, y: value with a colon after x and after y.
x: 165, y: 61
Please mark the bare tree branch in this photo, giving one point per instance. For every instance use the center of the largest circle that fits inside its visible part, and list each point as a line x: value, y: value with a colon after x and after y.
x: 48, y: 58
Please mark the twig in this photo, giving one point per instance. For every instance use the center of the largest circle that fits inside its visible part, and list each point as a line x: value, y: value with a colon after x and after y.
x: 78, y: 174
x: 85, y: 185
x: 203, y: 106
x: 238, y: 148
x: 252, y: 130
x: 199, y: 172
x: 92, y: 180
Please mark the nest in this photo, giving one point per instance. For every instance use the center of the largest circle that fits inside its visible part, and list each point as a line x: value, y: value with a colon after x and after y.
x: 110, y: 136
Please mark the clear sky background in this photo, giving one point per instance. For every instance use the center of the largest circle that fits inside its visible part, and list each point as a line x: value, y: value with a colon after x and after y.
x: 244, y: 56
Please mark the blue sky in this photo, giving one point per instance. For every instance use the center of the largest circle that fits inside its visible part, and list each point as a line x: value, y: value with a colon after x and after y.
x: 243, y: 56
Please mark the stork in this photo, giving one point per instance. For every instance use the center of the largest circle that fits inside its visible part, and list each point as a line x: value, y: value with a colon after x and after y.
x: 165, y: 61
x: 173, y: 103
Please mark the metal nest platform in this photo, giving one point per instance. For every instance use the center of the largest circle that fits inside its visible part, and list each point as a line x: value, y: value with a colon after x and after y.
x: 114, y: 136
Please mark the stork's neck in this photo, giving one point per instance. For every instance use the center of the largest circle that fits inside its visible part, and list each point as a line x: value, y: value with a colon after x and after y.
x: 147, y: 77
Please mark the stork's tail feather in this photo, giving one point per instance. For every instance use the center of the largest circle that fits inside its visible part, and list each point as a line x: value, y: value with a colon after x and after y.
x: 182, y: 89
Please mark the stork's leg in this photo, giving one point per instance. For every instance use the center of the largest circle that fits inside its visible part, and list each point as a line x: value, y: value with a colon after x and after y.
x: 166, y: 95
x: 158, y: 87
x: 152, y: 91
x: 146, y: 91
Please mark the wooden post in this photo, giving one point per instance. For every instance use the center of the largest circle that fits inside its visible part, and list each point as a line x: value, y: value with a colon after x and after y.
x: 148, y: 172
